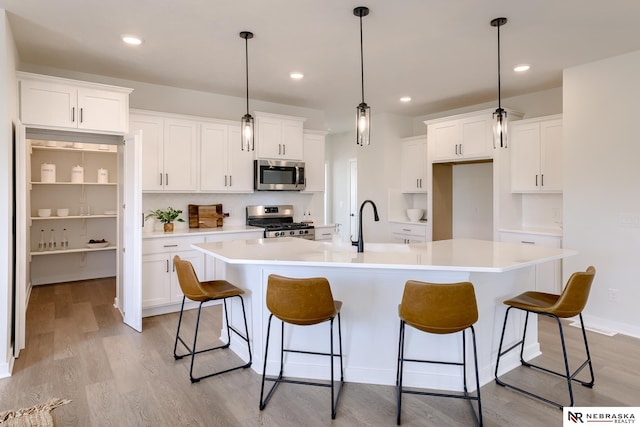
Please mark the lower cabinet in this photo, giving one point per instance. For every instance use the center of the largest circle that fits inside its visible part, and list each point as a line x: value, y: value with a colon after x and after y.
x: 548, y: 274
x: 402, y: 232
x: 160, y: 284
x: 324, y: 232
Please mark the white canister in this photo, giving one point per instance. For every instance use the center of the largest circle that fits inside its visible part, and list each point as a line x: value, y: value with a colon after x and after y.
x: 77, y: 174
x: 103, y: 176
x: 48, y: 172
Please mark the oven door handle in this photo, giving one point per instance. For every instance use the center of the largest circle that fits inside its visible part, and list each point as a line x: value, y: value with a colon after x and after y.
x: 297, y: 176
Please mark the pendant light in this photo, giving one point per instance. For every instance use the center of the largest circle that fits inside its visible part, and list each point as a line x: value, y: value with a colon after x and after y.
x: 247, y: 120
x: 363, y: 111
x: 500, y: 115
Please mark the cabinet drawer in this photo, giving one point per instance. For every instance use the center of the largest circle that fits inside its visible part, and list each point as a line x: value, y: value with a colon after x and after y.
x: 169, y: 244
x: 409, y: 229
x: 533, y: 239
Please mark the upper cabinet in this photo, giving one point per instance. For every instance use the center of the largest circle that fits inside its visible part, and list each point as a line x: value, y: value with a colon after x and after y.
x: 461, y: 138
x: 224, y: 167
x: 314, y: 144
x: 279, y: 137
x: 169, y: 152
x: 414, y: 165
x: 58, y: 103
x: 536, y: 155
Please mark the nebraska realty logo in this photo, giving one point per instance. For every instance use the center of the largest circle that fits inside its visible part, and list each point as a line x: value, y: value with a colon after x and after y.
x: 604, y: 416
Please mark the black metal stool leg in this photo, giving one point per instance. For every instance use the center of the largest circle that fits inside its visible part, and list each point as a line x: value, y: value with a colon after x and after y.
x: 175, y: 345
x: 399, y: 371
x: 193, y: 349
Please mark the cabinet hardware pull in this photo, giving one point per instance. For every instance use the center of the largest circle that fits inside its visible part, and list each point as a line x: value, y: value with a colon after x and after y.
x: 230, y: 184
x: 81, y: 115
x: 456, y: 149
x: 160, y: 179
x: 167, y: 265
x: 326, y: 234
x: 284, y: 149
x: 461, y: 149
x: 225, y: 180
x: 406, y: 229
x: 142, y: 219
x: 279, y: 149
x: 169, y: 246
x: 542, y: 180
x: 536, y: 180
x: 418, y: 182
x: 166, y: 179
x: 527, y: 242
x: 73, y: 114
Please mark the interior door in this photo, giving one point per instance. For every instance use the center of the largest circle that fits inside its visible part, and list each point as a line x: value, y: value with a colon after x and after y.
x: 22, y: 176
x: 129, y: 288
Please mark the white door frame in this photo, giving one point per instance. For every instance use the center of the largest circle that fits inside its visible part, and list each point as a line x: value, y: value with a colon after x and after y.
x: 353, y: 199
x: 23, y: 256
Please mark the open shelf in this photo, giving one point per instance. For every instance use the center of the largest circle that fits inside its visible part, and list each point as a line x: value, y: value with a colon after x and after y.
x: 72, y: 251
x: 33, y: 218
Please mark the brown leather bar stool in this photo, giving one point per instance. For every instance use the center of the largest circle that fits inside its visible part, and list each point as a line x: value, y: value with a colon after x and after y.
x: 439, y: 309
x: 202, y: 292
x: 568, y: 304
x: 302, y: 302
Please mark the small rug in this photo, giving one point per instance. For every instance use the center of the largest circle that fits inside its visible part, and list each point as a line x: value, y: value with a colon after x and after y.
x: 36, y: 416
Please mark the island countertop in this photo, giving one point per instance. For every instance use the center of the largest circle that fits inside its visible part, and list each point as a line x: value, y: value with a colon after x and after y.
x: 446, y: 255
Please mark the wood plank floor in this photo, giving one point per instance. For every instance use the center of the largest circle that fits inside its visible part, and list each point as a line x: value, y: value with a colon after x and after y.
x: 78, y: 348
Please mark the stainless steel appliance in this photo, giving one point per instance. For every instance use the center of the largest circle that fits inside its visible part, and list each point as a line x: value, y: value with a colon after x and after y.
x: 278, y: 175
x: 277, y: 221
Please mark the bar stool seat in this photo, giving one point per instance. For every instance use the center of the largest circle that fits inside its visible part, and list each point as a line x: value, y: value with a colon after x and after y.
x: 302, y: 302
x: 202, y: 292
x: 568, y: 304
x: 439, y: 309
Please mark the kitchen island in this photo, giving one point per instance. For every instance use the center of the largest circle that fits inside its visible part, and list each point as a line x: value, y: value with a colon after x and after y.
x: 370, y: 285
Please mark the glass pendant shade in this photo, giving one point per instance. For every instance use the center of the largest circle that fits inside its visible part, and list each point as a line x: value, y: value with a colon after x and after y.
x: 500, y: 128
x: 247, y: 133
x: 363, y: 124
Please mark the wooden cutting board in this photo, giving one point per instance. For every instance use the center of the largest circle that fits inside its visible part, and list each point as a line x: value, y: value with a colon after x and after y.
x: 210, y: 216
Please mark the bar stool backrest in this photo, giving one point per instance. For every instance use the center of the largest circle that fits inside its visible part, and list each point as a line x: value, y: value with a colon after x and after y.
x: 575, y: 294
x: 306, y: 301
x: 438, y: 308
x: 189, y: 283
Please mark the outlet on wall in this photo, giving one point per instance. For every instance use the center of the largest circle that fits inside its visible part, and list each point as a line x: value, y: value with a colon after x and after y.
x: 614, y: 295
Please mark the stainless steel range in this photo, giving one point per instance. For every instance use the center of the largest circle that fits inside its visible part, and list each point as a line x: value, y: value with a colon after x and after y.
x: 277, y: 221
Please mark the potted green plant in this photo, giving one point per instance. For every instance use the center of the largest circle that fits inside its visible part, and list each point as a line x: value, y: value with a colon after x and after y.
x: 166, y: 217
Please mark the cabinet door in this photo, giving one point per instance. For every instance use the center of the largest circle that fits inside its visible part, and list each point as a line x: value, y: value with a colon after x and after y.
x: 196, y: 258
x: 525, y: 157
x: 476, y: 138
x: 292, y: 139
x: 314, y: 162
x: 240, y: 164
x: 152, y: 150
x: 180, y: 155
x: 444, y: 139
x: 414, y: 161
x: 48, y: 104
x: 214, y: 175
x: 551, y: 155
x: 102, y: 110
x: 156, y: 278
x: 269, y: 137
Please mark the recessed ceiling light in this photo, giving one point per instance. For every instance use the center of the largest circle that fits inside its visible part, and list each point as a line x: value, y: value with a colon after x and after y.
x: 133, y: 40
x: 521, y: 68
x: 405, y: 99
x: 296, y: 75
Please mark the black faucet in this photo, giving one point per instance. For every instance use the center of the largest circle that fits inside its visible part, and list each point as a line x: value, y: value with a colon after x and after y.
x: 360, y: 242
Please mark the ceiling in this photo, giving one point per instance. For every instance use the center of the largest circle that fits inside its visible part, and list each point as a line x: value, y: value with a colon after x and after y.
x: 442, y: 53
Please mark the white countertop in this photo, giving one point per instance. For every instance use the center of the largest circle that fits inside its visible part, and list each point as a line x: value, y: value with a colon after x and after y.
x: 179, y: 232
x: 444, y: 255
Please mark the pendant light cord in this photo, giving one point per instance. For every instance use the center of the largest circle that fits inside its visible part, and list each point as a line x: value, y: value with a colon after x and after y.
x: 246, y: 61
x: 499, y: 85
x: 361, y: 60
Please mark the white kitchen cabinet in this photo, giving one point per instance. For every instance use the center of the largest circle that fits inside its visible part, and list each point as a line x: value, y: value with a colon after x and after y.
x: 160, y: 284
x: 414, y: 165
x: 224, y: 167
x: 548, y: 275
x: 69, y: 104
x: 314, y: 145
x: 463, y: 138
x: 324, y: 232
x: 278, y: 136
x: 92, y: 212
x: 404, y: 232
x: 169, y: 152
x: 536, y: 155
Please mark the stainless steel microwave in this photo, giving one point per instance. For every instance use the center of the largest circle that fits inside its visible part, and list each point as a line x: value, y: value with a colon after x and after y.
x: 278, y: 175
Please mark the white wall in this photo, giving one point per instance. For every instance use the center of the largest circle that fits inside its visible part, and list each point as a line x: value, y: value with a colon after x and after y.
x: 8, y: 60
x: 472, y: 195
x: 602, y: 184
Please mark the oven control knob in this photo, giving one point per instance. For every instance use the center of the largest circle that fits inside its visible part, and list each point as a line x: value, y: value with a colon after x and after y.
x: 306, y: 231
x: 291, y: 233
